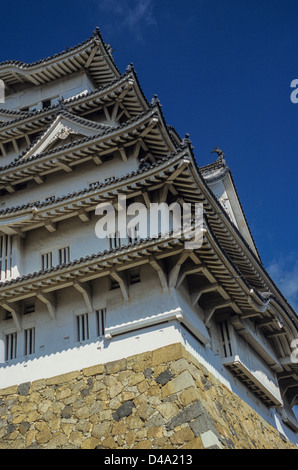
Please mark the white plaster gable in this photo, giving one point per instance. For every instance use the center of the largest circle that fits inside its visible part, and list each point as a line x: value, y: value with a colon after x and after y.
x: 226, y: 193
x: 62, y: 127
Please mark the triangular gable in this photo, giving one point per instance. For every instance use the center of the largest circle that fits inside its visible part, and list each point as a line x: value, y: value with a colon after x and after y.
x: 219, y: 179
x: 64, y: 126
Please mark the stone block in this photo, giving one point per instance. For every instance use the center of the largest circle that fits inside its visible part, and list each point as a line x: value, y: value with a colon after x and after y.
x: 202, y: 424
x: 109, y: 443
x: 43, y: 437
x: 9, y: 391
x: 23, y: 389
x: 123, y: 411
x: 179, y: 366
x: 189, y: 395
x: 167, y: 354
x: 167, y: 410
x: 145, y: 411
x: 193, y: 444
x: 90, y: 443
x: 210, y: 440
x: 178, y: 384
x: 115, y: 366
x: 183, y: 435
x: 146, y: 444
x: 63, y: 378
x: 185, y: 416
x: 101, y: 430
x: 155, y: 432
x: 115, y: 389
x: 164, y: 377
x: 93, y: 370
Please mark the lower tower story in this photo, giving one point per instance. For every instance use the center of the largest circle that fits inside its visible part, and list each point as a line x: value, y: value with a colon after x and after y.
x: 154, y: 388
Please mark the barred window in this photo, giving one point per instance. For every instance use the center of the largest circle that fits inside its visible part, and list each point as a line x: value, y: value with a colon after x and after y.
x: 82, y: 327
x: 29, y: 341
x: 47, y: 261
x: 11, y: 346
x: 5, y: 256
x: 64, y: 255
x: 225, y: 339
x: 100, y: 321
x: 115, y: 240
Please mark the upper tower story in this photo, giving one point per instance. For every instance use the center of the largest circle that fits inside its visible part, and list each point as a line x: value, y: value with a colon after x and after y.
x: 39, y: 85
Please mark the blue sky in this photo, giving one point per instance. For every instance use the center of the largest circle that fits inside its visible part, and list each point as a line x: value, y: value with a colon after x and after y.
x: 222, y: 70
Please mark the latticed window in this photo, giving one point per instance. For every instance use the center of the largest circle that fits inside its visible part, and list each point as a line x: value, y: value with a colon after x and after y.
x: 5, y: 256
x: 82, y: 327
x: 225, y: 339
x: 11, y: 346
x: 29, y: 341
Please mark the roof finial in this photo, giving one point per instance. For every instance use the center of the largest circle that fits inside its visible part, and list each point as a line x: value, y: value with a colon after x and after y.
x: 220, y: 154
x: 186, y: 141
x: 155, y: 101
x: 96, y: 31
x: 130, y: 67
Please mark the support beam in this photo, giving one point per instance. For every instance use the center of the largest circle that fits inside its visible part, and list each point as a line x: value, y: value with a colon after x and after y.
x: 63, y: 166
x: 38, y: 179
x: 122, y: 283
x: 152, y: 124
x: 97, y: 160
x: 3, y: 150
x: 137, y: 149
x: 146, y: 199
x: 9, y: 188
x: 15, y: 311
x: 17, y: 231
x: 83, y: 215
x: 85, y: 290
x: 164, y: 192
x: 91, y: 57
x: 157, y: 265
x: 115, y: 111
x: 187, y: 269
x: 195, y: 296
x: 182, y: 165
x: 50, y: 301
x: 50, y: 226
x: 210, y: 312
x: 276, y: 333
x: 173, y: 277
x: 123, y: 154
x: 16, y: 147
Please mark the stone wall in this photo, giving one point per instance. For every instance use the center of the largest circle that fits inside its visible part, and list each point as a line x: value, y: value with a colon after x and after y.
x: 163, y: 399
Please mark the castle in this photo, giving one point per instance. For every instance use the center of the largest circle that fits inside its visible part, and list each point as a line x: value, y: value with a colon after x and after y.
x: 128, y: 340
